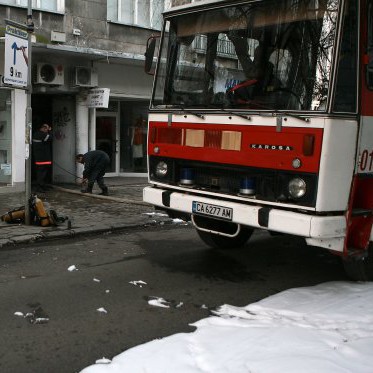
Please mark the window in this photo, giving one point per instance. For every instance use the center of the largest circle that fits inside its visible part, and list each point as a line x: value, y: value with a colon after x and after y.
x: 269, y: 55
x: 48, y: 5
x: 346, y: 86
x: 144, y: 13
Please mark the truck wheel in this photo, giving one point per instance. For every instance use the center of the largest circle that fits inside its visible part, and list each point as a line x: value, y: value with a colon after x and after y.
x: 222, y: 242
x: 360, y: 268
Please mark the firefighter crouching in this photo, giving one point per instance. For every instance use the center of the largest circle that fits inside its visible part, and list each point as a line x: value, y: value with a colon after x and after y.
x: 95, y: 164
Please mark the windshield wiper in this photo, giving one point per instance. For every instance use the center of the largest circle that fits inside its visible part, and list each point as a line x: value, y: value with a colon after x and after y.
x: 276, y: 113
x: 215, y: 106
x: 183, y: 110
x: 297, y: 116
x: 271, y: 112
x: 209, y: 106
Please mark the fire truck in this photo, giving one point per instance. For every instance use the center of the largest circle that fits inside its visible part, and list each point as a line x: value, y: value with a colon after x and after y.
x: 261, y: 117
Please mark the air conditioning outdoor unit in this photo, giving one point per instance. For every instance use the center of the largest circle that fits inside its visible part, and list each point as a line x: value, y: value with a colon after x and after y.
x: 47, y: 73
x: 85, y: 77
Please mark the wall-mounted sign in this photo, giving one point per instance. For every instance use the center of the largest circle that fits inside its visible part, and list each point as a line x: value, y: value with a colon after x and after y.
x: 6, y: 168
x: 98, y: 98
x: 16, y: 61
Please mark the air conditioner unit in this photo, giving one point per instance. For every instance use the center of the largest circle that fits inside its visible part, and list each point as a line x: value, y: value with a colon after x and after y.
x: 47, y: 73
x: 85, y: 77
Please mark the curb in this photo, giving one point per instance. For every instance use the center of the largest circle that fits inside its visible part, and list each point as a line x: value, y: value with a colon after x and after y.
x: 107, y: 198
x: 76, y: 232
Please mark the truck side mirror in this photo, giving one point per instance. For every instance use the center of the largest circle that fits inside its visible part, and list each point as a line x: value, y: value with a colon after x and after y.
x: 149, y: 54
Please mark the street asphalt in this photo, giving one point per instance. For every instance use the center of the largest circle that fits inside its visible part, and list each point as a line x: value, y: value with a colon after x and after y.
x: 85, y: 213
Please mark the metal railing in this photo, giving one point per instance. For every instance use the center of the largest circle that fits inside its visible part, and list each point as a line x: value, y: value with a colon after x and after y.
x: 225, y: 47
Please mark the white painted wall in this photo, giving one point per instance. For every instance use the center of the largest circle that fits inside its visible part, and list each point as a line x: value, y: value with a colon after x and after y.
x: 19, y: 104
x: 125, y: 80
x: 64, y: 139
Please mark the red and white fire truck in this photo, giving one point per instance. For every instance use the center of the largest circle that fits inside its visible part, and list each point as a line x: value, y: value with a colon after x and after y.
x: 262, y: 118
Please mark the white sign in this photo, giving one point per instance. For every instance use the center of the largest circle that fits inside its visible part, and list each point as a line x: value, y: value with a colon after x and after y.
x: 6, y: 168
x: 15, y: 66
x: 98, y: 98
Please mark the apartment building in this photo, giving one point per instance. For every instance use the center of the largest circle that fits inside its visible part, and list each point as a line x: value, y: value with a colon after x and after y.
x: 79, y: 46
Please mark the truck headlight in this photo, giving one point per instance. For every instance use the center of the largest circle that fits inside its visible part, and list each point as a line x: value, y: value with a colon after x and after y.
x: 297, y: 187
x: 161, y: 169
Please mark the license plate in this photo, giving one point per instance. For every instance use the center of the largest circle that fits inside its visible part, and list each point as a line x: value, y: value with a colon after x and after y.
x: 220, y: 212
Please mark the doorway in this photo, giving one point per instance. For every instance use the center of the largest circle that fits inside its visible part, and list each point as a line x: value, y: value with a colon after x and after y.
x: 107, y: 134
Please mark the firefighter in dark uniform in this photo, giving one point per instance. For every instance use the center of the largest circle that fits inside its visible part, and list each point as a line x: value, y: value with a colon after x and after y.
x: 42, y: 155
x: 95, y: 165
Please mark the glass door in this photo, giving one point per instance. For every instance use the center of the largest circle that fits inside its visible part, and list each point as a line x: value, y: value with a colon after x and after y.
x: 107, y: 134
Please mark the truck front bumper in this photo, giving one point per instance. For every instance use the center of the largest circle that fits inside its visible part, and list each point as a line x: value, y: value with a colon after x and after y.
x: 323, y: 231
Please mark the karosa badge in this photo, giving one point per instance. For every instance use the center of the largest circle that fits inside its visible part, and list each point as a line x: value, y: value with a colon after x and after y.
x: 271, y: 147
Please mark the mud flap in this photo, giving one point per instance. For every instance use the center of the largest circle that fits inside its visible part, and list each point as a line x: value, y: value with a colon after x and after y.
x: 359, y: 217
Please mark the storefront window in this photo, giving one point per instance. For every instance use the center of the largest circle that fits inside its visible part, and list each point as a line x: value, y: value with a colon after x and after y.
x: 107, y: 133
x: 133, y: 135
x: 121, y: 131
x: 5, y: 138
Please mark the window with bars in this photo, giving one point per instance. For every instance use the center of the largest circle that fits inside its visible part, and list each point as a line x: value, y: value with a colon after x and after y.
x: 143, y: 13
x: 48, y: 5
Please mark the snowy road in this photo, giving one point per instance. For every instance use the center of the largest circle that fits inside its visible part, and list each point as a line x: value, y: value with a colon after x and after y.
x: 64, y: 305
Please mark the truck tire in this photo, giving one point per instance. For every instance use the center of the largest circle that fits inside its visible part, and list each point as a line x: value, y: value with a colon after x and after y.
x: 360, y: 268
x: 216, y: 241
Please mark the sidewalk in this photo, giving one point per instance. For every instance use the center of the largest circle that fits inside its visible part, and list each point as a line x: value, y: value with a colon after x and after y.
x: 87, y: 214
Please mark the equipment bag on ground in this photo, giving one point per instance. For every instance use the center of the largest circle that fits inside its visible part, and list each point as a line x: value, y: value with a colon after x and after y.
x: 38, y: 214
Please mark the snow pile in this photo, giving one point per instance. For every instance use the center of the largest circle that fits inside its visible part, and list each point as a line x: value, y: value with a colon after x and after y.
x: 325, y: 328
x: 159, y: 302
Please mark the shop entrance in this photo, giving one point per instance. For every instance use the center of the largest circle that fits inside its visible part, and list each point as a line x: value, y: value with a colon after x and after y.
x: 5, y: 138
x: 107, y: 134
x: 133, y: 155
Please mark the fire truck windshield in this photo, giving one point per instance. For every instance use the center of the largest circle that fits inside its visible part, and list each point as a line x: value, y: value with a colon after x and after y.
x: 268, y: 55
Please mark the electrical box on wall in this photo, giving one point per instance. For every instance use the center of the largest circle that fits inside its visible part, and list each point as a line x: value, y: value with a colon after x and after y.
x: 85, y: 77
x: 49, y: 74
x: 58, y: 37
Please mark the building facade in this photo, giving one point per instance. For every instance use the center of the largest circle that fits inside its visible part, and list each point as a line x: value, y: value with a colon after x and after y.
x: 79, y: 46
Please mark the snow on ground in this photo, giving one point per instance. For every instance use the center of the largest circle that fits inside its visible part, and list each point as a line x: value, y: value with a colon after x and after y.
x: 159, y: 302
x: 325, y: 328
x: 138, y: 282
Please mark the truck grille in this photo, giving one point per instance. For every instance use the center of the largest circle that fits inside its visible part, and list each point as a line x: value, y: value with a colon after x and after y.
x: 270, y: 185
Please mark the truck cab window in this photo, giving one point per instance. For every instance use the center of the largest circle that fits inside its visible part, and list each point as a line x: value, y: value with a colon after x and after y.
x: 252, y: 56
x: 346, y: 86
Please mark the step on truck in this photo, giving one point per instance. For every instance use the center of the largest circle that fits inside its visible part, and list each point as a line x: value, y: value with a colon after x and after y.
x: 261, y: 117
